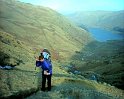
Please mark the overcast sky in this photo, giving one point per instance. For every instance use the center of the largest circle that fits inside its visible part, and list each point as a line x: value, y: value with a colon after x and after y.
x: 69, y: 6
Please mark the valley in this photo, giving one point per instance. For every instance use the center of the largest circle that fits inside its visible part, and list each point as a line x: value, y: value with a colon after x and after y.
x: 26, y: 29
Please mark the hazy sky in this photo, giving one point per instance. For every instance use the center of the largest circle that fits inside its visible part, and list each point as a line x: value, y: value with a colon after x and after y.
x: 65, y: 6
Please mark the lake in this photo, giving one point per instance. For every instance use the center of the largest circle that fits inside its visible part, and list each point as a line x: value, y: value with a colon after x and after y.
x: 104, y: 35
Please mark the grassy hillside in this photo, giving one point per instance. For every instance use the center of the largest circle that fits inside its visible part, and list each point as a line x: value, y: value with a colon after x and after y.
x: 21, y: 82
x: 41, y: 27
x: 105, y: 60
x: 113, y: 20
x: 24, y: 30
x: 13, y: 51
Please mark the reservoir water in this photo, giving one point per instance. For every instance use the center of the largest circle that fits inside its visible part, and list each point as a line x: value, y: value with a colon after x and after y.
x: 104, y: 35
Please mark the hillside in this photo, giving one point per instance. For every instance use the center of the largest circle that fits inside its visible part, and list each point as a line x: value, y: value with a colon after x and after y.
x: 113, y: 20
x: 40, y: 27
x: 24, y: 30
x: 104, y: 60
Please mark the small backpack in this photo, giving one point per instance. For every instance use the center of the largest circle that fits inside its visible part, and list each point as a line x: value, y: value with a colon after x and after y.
x: 46, y: 54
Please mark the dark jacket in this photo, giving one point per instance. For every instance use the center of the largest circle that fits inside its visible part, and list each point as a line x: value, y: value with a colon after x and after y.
x: 45, y: 65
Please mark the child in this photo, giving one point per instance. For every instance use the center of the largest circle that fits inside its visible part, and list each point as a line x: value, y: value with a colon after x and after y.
x: 46, y: 71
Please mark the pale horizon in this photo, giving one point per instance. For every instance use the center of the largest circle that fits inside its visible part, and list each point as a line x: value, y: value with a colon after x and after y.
x: 68, y: 6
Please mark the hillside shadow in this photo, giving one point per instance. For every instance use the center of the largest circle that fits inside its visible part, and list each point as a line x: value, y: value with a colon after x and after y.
x: 4, y: 58
x: 96, y: 50
x: 103, y: 58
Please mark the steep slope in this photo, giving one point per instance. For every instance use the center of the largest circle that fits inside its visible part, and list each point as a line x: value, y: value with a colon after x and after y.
x: 24, y: 30
x: 105, y: 60
x: 64, y: 85
x: 12, y: 51
x: 41, y: 27
x: 70, y: 86
x: 113, y: 20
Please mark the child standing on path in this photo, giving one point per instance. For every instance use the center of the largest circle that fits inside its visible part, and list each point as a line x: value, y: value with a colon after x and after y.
x: 46, y: 71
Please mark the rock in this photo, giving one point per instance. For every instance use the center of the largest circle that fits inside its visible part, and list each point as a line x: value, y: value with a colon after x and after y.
x: 93, y: 77
x: 105, y: 83
x: 77, y: 72
x: 7, y: 67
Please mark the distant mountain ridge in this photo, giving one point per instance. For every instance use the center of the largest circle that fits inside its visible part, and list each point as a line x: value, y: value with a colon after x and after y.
x: 113, y: 20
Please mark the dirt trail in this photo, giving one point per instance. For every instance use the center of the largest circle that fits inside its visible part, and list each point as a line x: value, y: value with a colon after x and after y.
x: 70, y: 86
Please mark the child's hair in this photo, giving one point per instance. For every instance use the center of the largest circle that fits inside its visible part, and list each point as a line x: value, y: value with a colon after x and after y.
x: 41, y: 57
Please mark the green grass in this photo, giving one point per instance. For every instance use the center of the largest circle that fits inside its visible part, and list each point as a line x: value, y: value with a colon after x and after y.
x: 41, y: 27
x: 70, y: 86
x: 12, y: 51
x: 24, y: 30
x: 103, y: 59
x: 19, y: 81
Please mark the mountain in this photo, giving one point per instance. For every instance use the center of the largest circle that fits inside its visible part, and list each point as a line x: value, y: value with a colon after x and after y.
x: 37, y: 28
x: 24, y: 30
x: 105, y: 60
x: 113, y: 20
